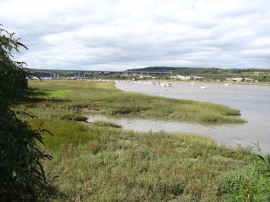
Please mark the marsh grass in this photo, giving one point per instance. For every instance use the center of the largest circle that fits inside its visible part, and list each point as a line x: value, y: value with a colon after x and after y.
x: 97, y: 163
x: 106, y: 124
x: 100, y: 162
x: 251, y: 184
x: 104, y: 98
x: 58, y: 93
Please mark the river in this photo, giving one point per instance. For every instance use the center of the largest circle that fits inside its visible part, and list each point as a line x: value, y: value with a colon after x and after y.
x: 252, y: 100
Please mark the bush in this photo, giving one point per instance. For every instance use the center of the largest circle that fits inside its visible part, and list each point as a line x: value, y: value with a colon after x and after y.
x: 252, y: 184
x: 21, y: 173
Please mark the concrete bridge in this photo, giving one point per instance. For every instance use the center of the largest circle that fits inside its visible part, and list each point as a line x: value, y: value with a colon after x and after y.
x: 57, y: 73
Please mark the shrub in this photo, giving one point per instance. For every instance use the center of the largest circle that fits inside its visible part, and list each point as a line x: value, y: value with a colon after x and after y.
x: 21, y: 173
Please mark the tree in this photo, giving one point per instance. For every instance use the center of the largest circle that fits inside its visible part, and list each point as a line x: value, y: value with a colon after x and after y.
x: 21, y: 173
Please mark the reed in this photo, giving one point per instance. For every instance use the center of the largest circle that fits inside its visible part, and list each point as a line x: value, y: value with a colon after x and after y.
x: 101, y: 162
x: 103, y: 98
x: 106, y: 124
x: 97, y: 163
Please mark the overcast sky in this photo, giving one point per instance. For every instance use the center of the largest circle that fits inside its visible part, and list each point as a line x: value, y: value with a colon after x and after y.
x: 125, y: 34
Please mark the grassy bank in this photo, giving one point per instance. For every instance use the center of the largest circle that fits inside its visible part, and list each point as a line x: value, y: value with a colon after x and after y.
x: 104, y: 98
x: 101, y: 162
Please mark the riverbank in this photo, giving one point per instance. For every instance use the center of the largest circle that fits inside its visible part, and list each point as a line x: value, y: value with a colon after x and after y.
x: 103, y: 98
x: 99, y: 162
x: 108, y: 164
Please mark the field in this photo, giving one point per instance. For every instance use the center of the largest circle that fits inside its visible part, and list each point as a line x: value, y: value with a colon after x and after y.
x: 101, y: 162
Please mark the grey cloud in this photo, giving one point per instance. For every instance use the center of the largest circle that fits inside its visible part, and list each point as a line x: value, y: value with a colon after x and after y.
x: 110, y: 35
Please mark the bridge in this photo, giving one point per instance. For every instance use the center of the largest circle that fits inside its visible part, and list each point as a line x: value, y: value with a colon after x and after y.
x: 57, y: 73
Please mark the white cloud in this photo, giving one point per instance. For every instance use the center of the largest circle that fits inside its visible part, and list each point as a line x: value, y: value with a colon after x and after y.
x: 121, y: 34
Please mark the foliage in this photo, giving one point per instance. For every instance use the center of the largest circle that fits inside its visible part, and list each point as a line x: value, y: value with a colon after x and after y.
x: 12, y: 77
x: 252, y: 184
x: 106, y: 124
x: 103, y: 98
x: 98, y: 162
x: 21, y: 174
x: 109, y: 164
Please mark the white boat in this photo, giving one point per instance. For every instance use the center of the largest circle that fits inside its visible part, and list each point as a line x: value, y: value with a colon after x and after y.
x: 203, y: 87
x: 166, y: 84
x: 227, y: 84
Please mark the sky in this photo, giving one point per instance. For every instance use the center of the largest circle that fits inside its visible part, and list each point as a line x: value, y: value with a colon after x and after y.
x: 125, y: 34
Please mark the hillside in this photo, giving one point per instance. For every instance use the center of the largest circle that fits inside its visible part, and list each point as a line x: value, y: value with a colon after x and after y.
x: 261, y: 75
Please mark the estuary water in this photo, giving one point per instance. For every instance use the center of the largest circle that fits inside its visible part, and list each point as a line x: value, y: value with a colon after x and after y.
x: 252, y: 100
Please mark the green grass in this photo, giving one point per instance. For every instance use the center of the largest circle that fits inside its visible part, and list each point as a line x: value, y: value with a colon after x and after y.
x: 103, y: 98
x: 57, y: 93
x: 101, y: 162
x: 106, y: 124
x: 108, y: 164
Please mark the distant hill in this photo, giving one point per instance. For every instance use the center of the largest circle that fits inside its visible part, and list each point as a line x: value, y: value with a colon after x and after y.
x: 212, y: 73
x: 155, y: 69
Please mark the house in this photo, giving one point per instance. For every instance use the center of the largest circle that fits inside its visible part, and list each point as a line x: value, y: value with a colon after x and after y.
x: 240, y: 79
x: 185, y: 78
x: 195, y: 78
x: 179, y: 77
x: 249, y: 80
x: 235, y: 79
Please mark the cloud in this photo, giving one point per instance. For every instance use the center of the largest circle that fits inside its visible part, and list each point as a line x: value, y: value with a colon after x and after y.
x: 124, y: 34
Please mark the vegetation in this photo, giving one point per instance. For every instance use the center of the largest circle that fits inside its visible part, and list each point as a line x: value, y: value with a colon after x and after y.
x: 22, y: 177
x: 252, y: 184
x: 104, y: 164
x: 97, y: 163
x: 104, y: 98
x: 101, y: 162
x: 106, y: 124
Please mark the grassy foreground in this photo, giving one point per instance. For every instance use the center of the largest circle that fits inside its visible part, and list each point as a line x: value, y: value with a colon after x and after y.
x: 101, y: 162
x: 107, y: 164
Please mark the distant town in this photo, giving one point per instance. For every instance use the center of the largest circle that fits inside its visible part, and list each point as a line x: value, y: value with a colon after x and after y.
x: 158, y: 73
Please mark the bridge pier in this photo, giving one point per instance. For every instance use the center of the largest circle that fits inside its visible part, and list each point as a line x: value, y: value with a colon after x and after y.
x: 54, y: 75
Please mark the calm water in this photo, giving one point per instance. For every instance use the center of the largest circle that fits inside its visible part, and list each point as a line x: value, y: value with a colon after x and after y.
x: 252, y: 100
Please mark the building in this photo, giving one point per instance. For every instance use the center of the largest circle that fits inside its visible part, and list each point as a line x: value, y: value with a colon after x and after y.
x: 240, y: 79
x: 186, y: 78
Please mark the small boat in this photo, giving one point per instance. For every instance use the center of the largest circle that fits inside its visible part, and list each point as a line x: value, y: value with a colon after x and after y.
x: 166, y: 84
x: 203, y: 87
x: 227, y: 84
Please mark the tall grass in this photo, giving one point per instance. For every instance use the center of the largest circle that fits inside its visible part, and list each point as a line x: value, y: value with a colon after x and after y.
x: 97, y: 163
x: 104, y: 98
x: 106, y: 124
x: 100, y: 162
x: 252, y: 184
